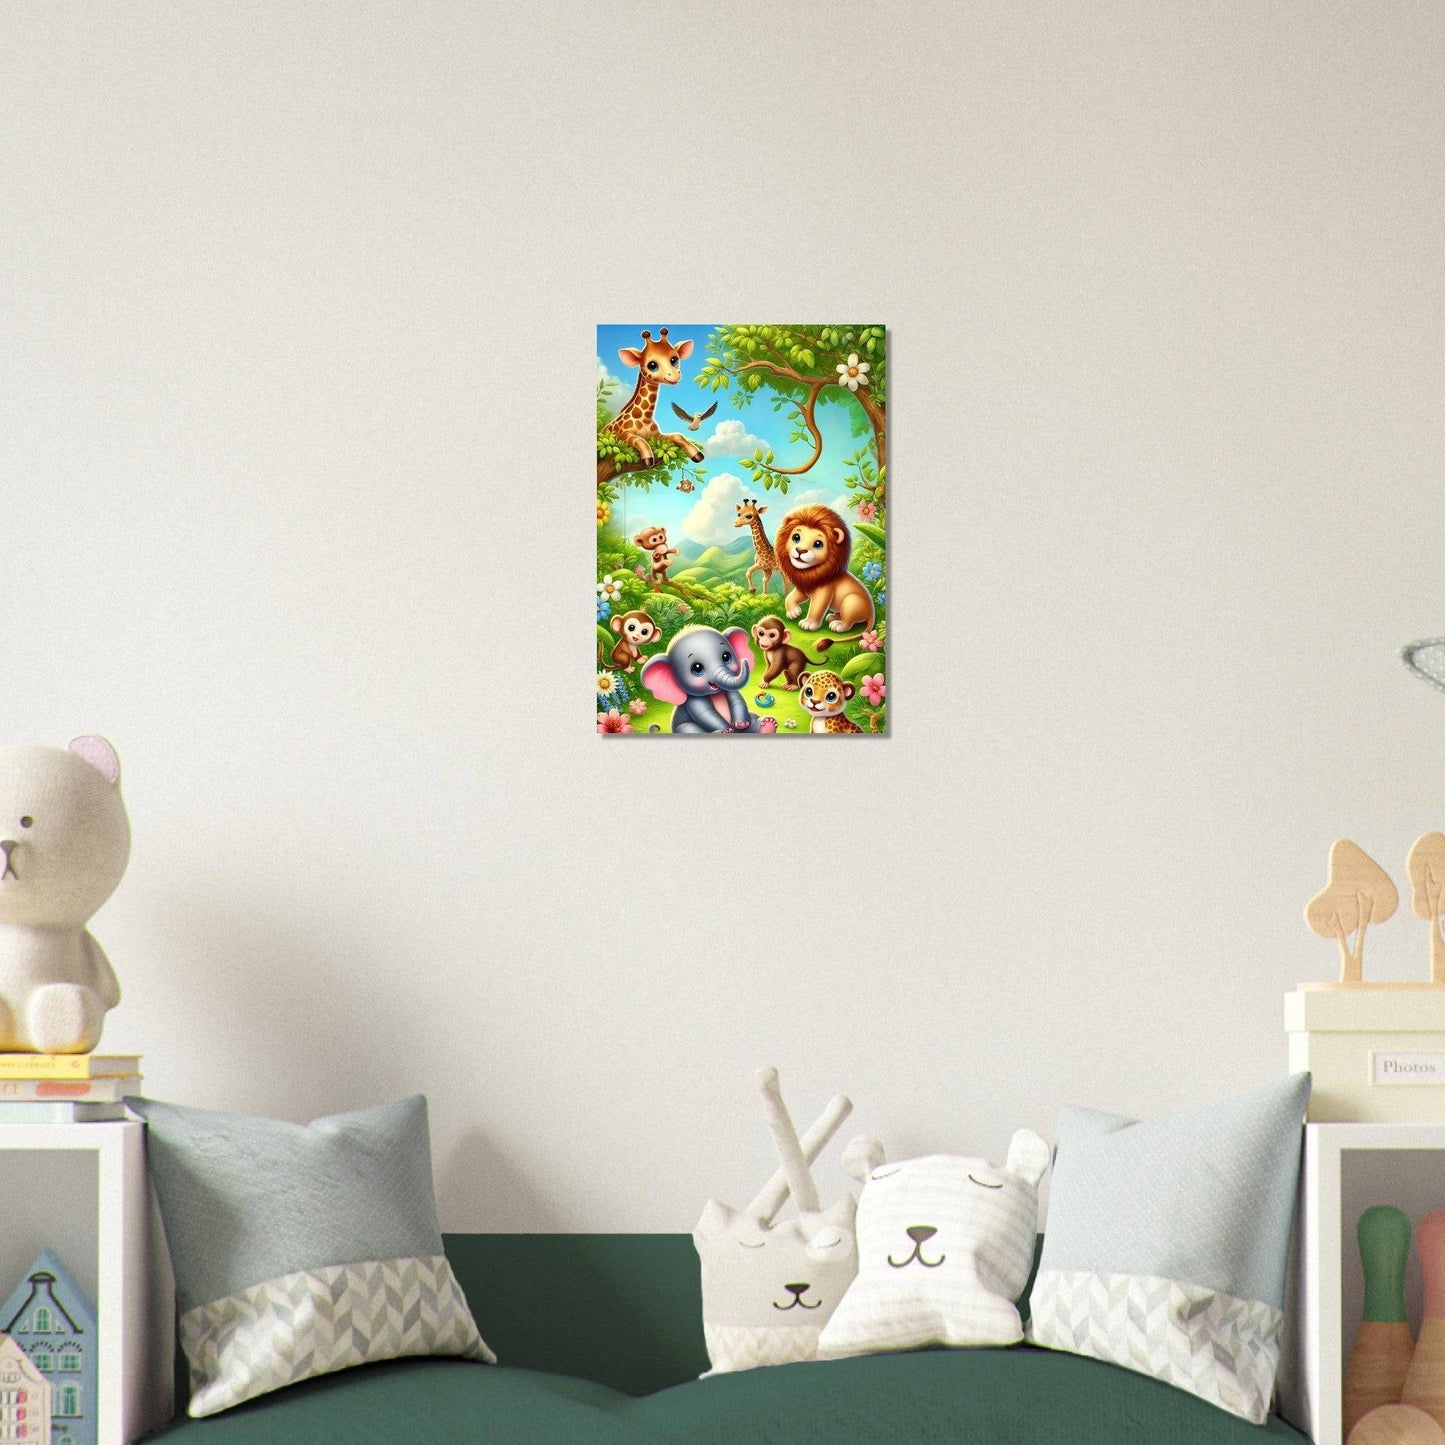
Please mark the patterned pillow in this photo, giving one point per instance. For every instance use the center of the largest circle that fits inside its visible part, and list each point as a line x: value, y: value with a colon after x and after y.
x: 300, y: 1249
x: 945, y: 1245
x: 1166, y: 1243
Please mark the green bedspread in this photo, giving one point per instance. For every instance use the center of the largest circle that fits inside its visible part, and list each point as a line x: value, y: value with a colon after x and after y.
x: 617, y: 1317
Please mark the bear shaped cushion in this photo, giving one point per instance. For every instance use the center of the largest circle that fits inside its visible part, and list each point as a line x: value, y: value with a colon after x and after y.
x: 64, y: 844
x: 945, y: 1246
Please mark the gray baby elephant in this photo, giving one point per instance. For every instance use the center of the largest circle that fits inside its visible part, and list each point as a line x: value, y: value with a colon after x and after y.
x: 704, y: 672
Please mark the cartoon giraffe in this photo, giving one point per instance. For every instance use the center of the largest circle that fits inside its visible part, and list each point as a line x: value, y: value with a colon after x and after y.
x: 766, y: 561
x: 656, y: 363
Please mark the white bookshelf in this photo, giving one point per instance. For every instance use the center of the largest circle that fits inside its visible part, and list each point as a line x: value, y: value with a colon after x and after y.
x: 81, y: 1190
x: 1347, y: 1168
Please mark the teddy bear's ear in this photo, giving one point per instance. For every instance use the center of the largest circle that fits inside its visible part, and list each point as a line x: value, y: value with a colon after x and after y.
x: 862, y: 1156
x: 99, y: 754
x: 1028, y: 1156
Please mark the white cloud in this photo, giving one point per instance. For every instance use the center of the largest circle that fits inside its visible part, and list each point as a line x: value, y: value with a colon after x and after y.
x: 816, y: 496
x: 730, y: 439
x: 714, y: 515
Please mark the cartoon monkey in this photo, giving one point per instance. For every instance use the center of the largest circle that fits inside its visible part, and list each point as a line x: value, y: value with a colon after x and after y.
x: 654, y: 540
x: 771, y: 635
x: 825, y: 695
x: 637, y: 629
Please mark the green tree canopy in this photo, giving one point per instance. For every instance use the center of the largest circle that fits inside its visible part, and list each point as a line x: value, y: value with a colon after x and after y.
x: 801, y: 366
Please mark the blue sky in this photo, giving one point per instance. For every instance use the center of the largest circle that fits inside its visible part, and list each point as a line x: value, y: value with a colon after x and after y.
x: 708, y: 514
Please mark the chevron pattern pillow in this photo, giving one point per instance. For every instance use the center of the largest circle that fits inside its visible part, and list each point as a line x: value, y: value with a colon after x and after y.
x: 300, y: 1249
x: 1166, y: 1243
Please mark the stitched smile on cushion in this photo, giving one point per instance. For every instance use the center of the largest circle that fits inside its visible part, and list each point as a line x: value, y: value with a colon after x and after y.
x: 797, y: 1302
x: 920, y: 1234
x: 984, y: 1184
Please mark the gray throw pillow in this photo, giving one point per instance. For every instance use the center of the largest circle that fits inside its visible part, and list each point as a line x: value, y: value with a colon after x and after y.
x: 1166, y: 1243
x: 300, y: 1249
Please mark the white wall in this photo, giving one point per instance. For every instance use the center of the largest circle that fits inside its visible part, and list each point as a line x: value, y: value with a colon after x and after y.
x: 297, y: 307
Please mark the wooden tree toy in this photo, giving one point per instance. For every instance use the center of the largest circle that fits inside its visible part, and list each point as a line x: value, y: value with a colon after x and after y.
x: 1358, y: 894
x: 1397, y: 1425
x: 1426, y: 865
x: 1375, y: 1373
x: 1425, y: 1381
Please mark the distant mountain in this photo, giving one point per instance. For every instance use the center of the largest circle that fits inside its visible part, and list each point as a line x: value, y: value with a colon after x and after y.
x: 721, y: 564
x: 692, y: 552
x: 717, y: 559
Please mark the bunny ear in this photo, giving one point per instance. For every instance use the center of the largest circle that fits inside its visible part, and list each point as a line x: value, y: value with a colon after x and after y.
x: 99, y: 754
x: 862, y: 1156
x: 774, y: 1194
x: 1028, y: 1156
x: 785, y: 1140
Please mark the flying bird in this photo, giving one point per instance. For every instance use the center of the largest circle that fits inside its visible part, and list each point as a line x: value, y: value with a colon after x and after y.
x: 694, y: 419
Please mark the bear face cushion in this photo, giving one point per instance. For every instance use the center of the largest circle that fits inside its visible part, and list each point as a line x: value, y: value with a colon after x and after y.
x: 945, y: 1246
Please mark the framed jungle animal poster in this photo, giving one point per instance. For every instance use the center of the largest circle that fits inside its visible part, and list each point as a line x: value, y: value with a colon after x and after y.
x: 742, y: 530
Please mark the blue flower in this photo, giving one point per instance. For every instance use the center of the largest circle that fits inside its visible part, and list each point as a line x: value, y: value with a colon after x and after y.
x: 872, y: 571
x: 883, y: 599
x: 604, y: 611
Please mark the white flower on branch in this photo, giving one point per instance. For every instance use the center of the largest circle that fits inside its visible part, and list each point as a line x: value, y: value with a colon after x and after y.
x: 853, y: 373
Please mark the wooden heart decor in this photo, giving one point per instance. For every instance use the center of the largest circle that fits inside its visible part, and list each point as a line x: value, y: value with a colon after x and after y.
x: 1426, y: 660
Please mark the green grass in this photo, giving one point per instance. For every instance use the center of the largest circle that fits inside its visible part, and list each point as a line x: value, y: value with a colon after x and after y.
x: 785, y: 704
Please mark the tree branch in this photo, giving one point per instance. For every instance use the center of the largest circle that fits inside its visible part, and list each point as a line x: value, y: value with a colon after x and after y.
x: 872, y: 409
x: 609, y: 467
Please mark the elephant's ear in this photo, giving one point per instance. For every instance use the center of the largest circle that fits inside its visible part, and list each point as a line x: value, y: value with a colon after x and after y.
x: 738, y: 639
x: 657, y: 678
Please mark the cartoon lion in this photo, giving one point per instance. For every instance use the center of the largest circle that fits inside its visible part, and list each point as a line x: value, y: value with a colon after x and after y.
x: 813, y: 547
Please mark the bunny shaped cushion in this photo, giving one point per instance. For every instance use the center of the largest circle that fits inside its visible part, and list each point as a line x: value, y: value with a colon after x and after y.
x: 768, y: 1287
x: 64, y: 844
x: 945, y: 1246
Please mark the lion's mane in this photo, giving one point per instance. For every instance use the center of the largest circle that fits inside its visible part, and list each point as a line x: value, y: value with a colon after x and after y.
x: 834, y: 564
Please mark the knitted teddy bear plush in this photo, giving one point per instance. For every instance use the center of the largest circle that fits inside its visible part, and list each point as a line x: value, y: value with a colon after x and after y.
x: 945, y: 1245
x: 64, y: 844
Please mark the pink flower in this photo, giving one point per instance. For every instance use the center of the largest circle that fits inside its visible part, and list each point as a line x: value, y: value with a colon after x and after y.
x: 683, y: 607
x: 637, y: 707
x: 867, y: 511
x: 612, y: 722
x: 641, y: 571
x: 869, y: 641
x: 873, y: 688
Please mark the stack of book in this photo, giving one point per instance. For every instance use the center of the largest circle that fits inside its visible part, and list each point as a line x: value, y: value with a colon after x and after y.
x: 66, y: 1088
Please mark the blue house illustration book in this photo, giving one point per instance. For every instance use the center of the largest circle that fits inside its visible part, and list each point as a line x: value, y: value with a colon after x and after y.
x: 51, y: 1321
